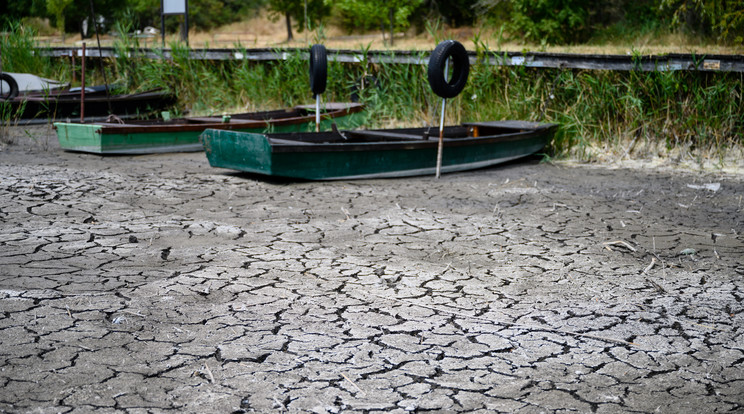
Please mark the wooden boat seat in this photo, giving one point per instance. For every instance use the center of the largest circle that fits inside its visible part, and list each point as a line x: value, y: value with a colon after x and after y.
x: 386, y: 135
x: 218, y: 120
x: 501, y: 127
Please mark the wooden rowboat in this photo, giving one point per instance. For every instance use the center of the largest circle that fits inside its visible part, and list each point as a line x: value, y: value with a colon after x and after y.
x: 182, y: 134
x: 62, y: 104
x: 375, y: 153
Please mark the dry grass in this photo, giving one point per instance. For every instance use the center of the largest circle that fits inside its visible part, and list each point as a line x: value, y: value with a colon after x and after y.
x: 262, y: 32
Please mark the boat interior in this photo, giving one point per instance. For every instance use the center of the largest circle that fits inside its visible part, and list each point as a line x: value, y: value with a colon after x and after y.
x: 219, y: 119
x: 468, y: 130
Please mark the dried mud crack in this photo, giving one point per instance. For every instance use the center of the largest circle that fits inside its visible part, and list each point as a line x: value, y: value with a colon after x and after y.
x: 158, y: 284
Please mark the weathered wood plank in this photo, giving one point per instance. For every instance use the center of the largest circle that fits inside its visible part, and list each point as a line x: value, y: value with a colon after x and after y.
x: 646, y: 63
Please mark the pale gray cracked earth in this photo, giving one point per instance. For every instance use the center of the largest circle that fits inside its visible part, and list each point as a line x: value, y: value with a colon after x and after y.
x: 159, y: 284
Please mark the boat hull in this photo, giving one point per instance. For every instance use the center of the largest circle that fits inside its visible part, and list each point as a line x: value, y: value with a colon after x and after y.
x: 63, y: 104
x: 183, y: 135
x: 274, y: 155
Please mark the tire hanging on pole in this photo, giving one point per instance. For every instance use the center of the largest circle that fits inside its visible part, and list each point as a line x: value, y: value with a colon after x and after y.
x: 460, y: 69
x: 12, y: 84
x: 318, y: 69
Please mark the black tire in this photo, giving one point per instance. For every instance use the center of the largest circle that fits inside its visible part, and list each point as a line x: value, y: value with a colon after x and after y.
x: 4, y: 77
x: 318, y: 69
x: 460, y: 69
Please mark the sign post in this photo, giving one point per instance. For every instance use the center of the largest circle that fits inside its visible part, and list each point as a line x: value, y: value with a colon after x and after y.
x: 175, y: 7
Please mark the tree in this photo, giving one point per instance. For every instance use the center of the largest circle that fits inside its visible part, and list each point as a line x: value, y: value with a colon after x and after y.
x: 551, y: 21
x: 57, y: 8
x: 723, y: 19
x: 16, y: 10
x: 455, y: 12
x: 314, y: 10
x: 370, y: 14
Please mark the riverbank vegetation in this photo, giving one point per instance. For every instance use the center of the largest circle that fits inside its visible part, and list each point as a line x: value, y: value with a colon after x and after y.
x: 604, y: 115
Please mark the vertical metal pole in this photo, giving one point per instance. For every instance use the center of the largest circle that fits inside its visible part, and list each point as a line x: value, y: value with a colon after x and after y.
x: 317, y: 113
x: 100, y: 58
x: 441, y: 126
x: 441, y: 140
x: 82, y: 88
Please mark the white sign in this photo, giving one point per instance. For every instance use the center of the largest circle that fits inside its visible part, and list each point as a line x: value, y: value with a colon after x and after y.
x: 174, y: 6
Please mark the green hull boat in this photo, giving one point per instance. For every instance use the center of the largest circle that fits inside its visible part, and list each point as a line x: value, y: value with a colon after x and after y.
x: 182, y: 134
x: 375, y: 153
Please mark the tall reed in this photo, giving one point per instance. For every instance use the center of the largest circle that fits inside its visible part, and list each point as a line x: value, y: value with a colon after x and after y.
x: 599, y: 112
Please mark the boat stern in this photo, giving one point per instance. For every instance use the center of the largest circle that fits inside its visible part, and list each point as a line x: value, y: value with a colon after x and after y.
x: 242, y: 151
x: 79, y: 137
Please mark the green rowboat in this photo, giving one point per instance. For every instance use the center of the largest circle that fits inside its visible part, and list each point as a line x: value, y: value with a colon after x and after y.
x: 182, y: 134
x: 375, y: 153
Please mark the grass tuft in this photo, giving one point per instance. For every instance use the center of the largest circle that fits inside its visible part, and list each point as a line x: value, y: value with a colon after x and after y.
x: 603, y: 115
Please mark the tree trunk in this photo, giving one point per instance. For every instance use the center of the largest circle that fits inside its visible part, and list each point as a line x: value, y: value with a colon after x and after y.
x: 392, y: 29
x: 289, y: 27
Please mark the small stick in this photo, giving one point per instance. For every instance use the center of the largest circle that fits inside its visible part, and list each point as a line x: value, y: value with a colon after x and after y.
x: 656, y: 286
x: 352, y: 383
x: 619, y: 242
x: 209, y: 373
x: 653, y: 261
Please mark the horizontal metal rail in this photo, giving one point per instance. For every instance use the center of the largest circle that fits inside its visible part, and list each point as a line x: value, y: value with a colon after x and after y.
x: 647, y: 63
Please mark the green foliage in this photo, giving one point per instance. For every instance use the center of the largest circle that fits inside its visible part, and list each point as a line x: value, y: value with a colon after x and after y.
x: 625, y: 21
x: 208, y: 14
x: 57, y: 8
x: 723, y: 19
x: 75, y: 11
x: 454, y: 12
x: 11, y: 11
x: 203, y: 14
x: 371, y: 14
x: 18, y: 47
x: 597, y: 110
x: 551, y: 21
x: 316, y: 11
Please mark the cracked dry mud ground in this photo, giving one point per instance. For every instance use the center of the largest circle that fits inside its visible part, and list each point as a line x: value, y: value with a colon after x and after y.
x: 159, y: 284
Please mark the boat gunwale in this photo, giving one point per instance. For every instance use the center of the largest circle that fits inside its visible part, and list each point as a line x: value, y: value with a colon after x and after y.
x: 334, y: 111
x: 281, y: 145
x: 70, y: 97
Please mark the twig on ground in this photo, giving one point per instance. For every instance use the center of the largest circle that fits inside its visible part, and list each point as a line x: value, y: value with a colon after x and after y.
x: 618, y: 243
x: 653, y: 261
x: 352, y: 383
x: 209, y: 373
x: 656, y: 286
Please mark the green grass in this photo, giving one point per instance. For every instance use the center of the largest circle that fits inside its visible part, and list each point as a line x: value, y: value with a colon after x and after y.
x: 634, y: 112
